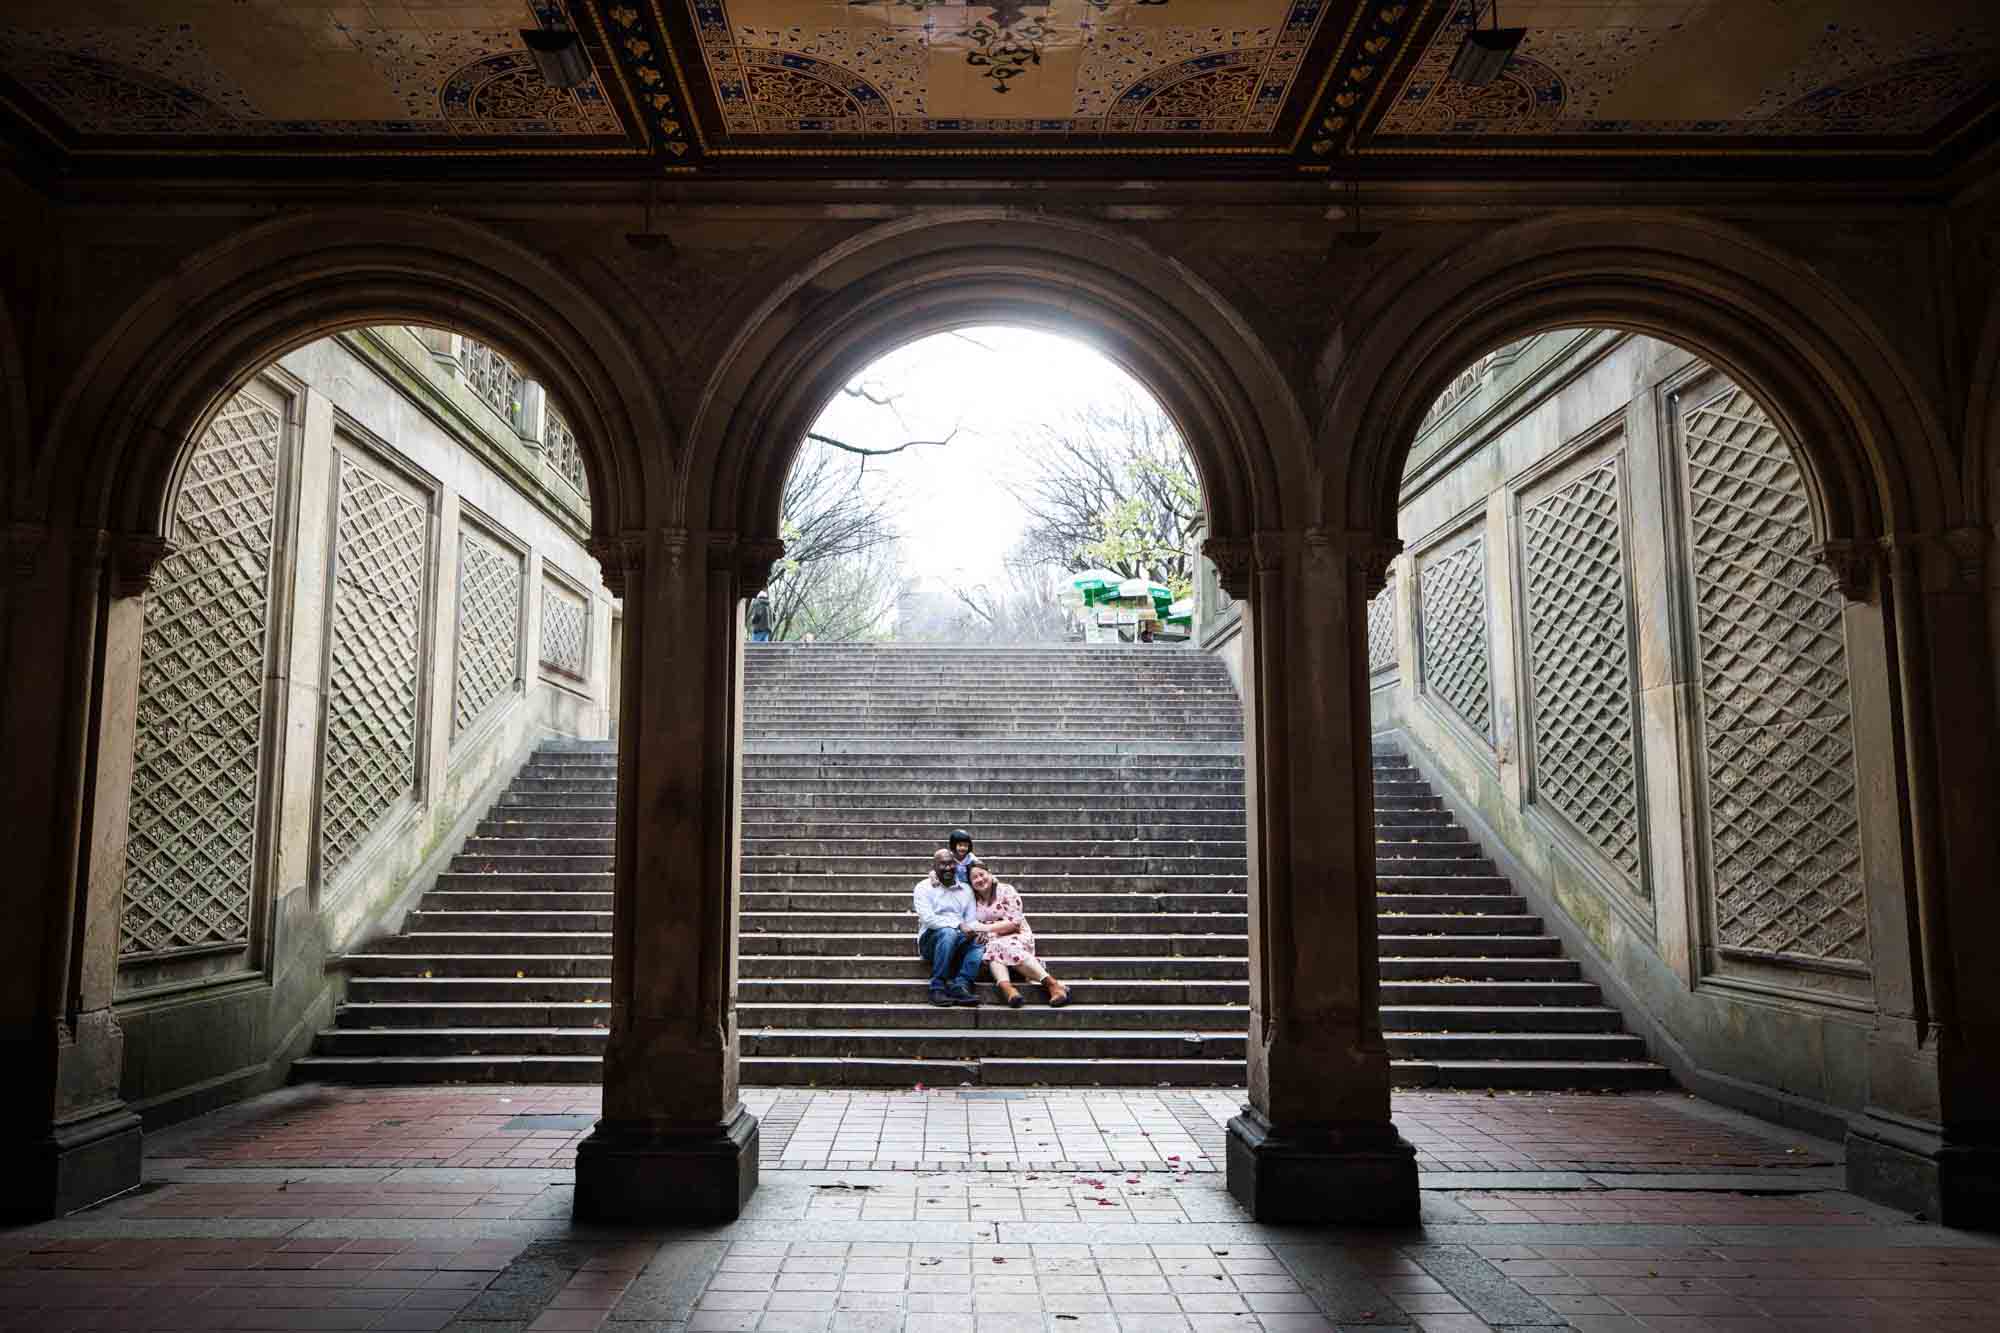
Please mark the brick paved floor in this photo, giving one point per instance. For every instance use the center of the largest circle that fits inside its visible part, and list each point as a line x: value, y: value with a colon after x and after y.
x: 1177, y: 1130
x: 1054, y: 1211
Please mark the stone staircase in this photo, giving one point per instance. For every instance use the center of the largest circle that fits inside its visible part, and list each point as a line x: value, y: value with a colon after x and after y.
x: 1106, y: 784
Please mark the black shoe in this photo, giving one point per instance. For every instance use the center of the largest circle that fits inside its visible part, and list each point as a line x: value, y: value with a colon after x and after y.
x: 943, y: 999
x: 961, y: 995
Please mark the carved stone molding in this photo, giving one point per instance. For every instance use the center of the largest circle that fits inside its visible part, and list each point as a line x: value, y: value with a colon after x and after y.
x: 621, y: 558
x: 754, y: 561
x: 1268, y: 550
x: 1853, y: 564
x: 1371, y: 557
x: 1965, y: 549
x: 135, y: 558
x: 1232, y: 559
x: 24, y: 549
x: 1953, y: 561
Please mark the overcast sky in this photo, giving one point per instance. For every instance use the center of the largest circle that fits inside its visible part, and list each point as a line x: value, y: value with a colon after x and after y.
x: 997, y: 387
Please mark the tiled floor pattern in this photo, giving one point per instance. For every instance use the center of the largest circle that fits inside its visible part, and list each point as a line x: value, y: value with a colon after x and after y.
x: 448, y: 1209
x: 979, y: 1129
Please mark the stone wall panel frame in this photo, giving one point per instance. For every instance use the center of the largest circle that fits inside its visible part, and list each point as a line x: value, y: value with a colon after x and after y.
x: 355, y: 445
x: 169, y: 973
x: 1445, y: 542
x: 1783, y: 978
x: 556, y: 672
x: 1600, y: 444
x: 484, y: 526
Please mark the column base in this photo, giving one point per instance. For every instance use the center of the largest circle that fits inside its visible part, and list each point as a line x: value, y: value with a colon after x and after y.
x: 77, y: 1165
x: 1360, y: 1174
x: 645, y: 1174
x: 1948, y: 1178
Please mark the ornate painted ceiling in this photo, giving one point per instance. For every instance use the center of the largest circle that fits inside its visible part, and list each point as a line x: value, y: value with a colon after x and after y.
x: 1220, y: 86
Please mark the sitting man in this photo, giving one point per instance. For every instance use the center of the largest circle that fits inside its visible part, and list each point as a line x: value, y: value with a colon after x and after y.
x: 947, y: 932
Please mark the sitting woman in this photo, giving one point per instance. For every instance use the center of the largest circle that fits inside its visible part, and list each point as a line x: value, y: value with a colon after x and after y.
x: 1009, y: 942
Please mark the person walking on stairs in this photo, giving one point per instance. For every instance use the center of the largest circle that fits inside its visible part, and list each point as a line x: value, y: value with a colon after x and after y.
x: 760, y: 618
x: 1009, y: 940
x: 948, y: 935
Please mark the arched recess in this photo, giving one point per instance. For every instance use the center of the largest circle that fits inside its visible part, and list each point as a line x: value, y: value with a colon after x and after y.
x: 1238, y: 415
x: 1876, y: 460
x: 196, y: 337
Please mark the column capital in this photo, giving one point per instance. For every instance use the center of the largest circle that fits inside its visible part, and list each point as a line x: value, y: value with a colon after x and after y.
x: 1853, y: 563
x: 749, y: 559
x: 621, y: 557
x: 1371, y: 555
x: 1232, y: 559
x: 1952, y: 561
x: 135, y: 557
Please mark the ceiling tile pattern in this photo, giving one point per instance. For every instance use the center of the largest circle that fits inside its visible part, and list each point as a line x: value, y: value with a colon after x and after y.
x: 1271, y: 86
x: 249, y: 70
x: 950, y: 67
x: 1610, y: 72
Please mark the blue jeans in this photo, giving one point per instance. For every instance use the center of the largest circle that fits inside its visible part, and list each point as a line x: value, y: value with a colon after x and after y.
x: 760, y: 636
x: 954, y: 956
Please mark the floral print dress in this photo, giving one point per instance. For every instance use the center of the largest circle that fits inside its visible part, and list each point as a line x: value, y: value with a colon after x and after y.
x: 1014, y: 949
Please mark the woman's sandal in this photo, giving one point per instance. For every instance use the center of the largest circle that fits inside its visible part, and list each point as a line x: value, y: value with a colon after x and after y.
x: 1058, y: 993
x: 1011, y: 996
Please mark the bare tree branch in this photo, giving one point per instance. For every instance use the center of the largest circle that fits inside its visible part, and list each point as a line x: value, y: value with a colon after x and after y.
x: 832, y: 443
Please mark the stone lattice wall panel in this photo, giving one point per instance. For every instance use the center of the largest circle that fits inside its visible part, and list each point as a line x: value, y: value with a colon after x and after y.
x: 562, y: 453
x: 1451, y: 619
x: 565, y: 629
x: 1382, y: 629
x: 1580, y: 663
x: 191, y: 855
x: 489, y: 626
x: 1784, y: 842
x: 375, y: 649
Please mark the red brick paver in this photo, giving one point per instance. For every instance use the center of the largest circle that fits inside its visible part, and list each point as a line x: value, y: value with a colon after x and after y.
x: 166, y: 1286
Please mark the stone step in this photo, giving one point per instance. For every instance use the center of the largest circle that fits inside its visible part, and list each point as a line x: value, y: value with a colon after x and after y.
x: 1049, y: 924
x: 830, y: 764
x: 1018, y: 868
x: 1046, y: 923
x: 989, y: 1072
x: 1126, y: 834
x: 1052, y: 947
x: 963, y: 786
x: 833, y: 1071
x: 1080, y: 964
x: 1134, y: 903
x: 1013, y: 851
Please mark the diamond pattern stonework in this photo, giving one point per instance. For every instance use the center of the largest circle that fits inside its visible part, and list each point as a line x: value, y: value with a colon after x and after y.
x: 1778, y: 743
x: 565, y: 629
x: 562, y: 454
x: 380, y: 574
x: 1458, y: 669
x: 1382, y: 629
x: 1579, y: 664
x: 489, y: 626
x: 191, y: 855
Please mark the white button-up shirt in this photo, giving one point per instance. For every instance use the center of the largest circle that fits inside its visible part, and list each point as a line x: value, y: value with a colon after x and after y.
x: 940, y: 907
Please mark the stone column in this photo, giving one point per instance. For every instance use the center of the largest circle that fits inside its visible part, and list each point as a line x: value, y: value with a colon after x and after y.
x: 72, y: 625
x: 1930, y: 1138
x: 1315, y: 1142
x: 675, y: 1142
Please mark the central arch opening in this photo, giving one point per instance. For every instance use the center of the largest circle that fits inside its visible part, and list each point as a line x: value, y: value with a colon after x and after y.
x: 989, y: 622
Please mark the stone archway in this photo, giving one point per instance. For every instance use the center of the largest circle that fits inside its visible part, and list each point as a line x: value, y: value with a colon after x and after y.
x: 99, y: 494
x: 896, y: 283
x: 687, y: 1137
x: 1886, y: 505
x: 194, y: 337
